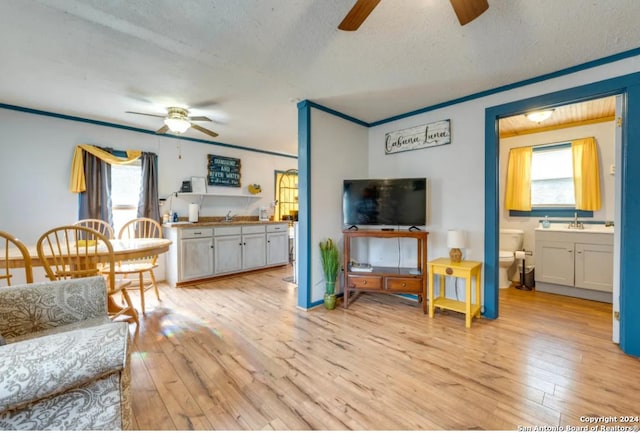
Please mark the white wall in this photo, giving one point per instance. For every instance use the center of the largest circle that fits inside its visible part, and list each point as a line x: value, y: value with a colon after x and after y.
x: 456, y: 171
x: 338, y: 152
x: 35, y: 163
x: 604, y: 134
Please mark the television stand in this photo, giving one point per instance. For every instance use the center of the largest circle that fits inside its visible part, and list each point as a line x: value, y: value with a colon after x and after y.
x: 387, y: 279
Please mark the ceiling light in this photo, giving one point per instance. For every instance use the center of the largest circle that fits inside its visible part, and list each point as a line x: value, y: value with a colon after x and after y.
x: 177, y: 125
x: 539, y: 116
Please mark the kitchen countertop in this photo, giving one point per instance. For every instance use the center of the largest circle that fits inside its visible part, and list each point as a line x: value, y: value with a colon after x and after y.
x: 187, y: 224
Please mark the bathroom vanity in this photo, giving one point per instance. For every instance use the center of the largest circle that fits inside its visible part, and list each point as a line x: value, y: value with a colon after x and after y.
x: 575, y: 262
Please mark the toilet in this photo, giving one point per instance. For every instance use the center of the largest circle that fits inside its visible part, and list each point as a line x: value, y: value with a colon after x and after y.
x: 510, y: 241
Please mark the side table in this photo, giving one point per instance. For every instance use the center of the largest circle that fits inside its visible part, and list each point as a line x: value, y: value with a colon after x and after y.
x: 465, y: 269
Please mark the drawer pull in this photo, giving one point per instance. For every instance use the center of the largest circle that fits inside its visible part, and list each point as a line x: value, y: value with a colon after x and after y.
x: 364, y: 282
x: 404, y: 284
x: 197, y: 233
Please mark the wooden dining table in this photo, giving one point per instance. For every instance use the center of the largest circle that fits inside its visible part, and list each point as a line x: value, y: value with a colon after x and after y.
x: 123, y: 249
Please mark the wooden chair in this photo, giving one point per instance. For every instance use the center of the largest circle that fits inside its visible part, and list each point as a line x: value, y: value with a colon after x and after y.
x: 7, y: 241
x: 74, y: 251
x: 134, y: 229
x: 97, y: 225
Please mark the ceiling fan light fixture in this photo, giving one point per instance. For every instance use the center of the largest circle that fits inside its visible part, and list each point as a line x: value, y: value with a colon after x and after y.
x: 177, y: 120
x: 539, y: 116
x: 177, y: 125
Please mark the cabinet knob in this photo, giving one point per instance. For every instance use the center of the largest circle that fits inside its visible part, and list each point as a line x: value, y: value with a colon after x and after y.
x: 364, y: 282
x: 404, y: 284
x: 569, y: 251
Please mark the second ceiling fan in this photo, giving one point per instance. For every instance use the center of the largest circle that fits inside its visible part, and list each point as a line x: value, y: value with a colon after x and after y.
x: 178, y: 121
x: 466, y: 11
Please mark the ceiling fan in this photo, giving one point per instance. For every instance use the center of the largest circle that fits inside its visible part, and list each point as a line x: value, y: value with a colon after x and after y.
x: 178, y: 121
x: 466, y: 11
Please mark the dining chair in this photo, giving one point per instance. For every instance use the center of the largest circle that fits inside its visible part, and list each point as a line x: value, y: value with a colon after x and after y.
x: 74, y: 251
x: 8, y: 241
x: 135, y: 229
x: 97, y: 225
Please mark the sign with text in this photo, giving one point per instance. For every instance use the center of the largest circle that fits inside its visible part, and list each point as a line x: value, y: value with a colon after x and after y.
x: 418, y: 137
x: 223, y: 171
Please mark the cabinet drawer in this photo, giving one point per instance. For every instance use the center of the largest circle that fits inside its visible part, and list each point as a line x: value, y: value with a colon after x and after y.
x: 449, y: 271
x: 413, y: 285
x: 277, y: 228
x: 226, y: 230
x: 196, y: 233
x: 252, y: 229
x: 369, y: 283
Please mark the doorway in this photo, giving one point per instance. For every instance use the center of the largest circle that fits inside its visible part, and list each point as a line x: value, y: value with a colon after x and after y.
x: 628, y: 85
x: 552, y: 198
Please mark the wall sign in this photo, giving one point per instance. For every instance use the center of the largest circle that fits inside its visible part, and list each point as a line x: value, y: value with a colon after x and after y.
x: 223, y: 171
x: 418, y: 137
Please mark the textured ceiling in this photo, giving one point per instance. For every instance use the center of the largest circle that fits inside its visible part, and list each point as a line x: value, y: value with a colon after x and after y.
x: 244, y: 63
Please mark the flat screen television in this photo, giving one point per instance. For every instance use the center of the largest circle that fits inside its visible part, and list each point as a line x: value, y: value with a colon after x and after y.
x: 401, y: 202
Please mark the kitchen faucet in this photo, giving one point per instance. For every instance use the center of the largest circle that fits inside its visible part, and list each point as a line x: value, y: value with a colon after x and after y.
x: 228, y: 218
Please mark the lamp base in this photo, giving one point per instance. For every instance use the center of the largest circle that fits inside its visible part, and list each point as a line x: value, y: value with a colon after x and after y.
x: 455, y: 254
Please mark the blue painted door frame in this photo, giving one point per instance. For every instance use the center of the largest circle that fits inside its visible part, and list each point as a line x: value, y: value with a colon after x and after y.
x: 630, y: 206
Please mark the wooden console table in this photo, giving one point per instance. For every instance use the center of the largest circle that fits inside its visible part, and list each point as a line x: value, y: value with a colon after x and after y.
x: 465, y: 269
x: 385, y: 279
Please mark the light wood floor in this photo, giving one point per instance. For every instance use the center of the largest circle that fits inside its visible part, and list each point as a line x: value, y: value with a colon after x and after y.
x: 237, y: 354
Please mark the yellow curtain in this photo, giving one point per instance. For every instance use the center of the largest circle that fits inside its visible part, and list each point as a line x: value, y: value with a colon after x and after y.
x: 518, y: 185
x: 586, y: 173
x: 78, y: 183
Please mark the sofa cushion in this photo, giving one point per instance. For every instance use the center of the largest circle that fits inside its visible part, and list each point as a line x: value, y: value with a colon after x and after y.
x: 42, y: 367
x: 29, y: 308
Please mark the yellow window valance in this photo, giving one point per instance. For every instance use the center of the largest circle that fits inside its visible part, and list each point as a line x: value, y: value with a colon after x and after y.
x: 78, y: 183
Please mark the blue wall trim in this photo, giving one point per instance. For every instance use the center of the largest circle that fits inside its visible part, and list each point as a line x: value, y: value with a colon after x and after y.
x: 630, y: 206
x: 304, y: 204
x: 336, y: 113
x: 139, y: 130
x: 544, y: 77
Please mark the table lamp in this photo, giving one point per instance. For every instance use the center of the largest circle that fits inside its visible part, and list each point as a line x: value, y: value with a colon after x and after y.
x: 455, y: 241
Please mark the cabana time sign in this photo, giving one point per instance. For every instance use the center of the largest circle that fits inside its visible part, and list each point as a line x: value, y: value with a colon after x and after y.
x: 418, y: 137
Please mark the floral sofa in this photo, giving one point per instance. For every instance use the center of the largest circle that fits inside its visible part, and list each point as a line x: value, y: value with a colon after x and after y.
x: 63, y: 364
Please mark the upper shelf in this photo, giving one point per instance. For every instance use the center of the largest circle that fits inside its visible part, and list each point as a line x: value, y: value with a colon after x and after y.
x: 217, y: 194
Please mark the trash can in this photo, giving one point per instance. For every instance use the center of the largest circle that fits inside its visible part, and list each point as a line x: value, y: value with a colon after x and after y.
x: 529, y: 275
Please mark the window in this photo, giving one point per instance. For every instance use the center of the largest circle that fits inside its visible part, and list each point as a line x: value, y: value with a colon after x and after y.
x: 552, y: 177
x: 125, y: 193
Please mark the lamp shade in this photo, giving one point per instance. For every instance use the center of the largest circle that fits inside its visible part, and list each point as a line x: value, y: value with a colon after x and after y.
x: 177, y: 125
x: 455, y: 239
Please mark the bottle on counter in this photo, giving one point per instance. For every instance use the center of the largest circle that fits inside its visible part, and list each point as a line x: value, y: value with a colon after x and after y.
x: 175, y: 217
x: 545, y: 223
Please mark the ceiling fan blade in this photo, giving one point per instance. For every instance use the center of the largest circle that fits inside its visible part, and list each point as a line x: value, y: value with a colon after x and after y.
x: 162, y: 130
x: 200, y: 119
x: 469, y: 10
x: 358, y: 13
x: 146, y: 114
x: 203, y: 130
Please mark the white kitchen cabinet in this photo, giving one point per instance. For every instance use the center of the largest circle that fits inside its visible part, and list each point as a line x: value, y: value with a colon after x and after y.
x: 228, y: 253
x: 277, y: 245
x: 200, y: 252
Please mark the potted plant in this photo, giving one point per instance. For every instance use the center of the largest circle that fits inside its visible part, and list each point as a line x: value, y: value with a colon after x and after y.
x: 330, y: 265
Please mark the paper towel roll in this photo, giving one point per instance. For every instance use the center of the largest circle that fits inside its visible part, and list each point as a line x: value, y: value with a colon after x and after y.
x: 193, y: 212
x: 520, y: 255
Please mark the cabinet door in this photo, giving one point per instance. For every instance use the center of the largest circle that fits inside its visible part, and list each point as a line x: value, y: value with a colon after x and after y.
x: 554, y: 262
x: 196, y: 258
x: 253, y: 251
x: 277, y: 248
x: 594, y: 267
x: 227, y: 253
